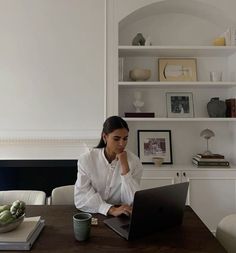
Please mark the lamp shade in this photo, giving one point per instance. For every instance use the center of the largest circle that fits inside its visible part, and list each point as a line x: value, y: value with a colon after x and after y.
x: 207, y: 133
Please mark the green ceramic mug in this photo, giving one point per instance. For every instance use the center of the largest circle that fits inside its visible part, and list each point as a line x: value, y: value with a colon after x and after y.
x: 82, y: 226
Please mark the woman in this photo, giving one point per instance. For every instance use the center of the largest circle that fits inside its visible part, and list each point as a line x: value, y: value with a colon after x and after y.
x: 108, y: 175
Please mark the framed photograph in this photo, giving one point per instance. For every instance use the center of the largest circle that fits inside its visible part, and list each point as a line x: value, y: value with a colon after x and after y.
x: 153, y: 143
x: 179, y: 104
x: 177, y: 69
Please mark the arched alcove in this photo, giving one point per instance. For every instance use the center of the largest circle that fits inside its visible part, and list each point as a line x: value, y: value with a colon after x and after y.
x: 183, y: 22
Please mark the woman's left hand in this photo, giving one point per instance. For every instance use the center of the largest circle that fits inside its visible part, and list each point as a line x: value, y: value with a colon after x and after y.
x: 122, y: 157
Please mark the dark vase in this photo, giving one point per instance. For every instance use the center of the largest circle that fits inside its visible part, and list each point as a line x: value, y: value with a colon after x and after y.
x: 216, y: 108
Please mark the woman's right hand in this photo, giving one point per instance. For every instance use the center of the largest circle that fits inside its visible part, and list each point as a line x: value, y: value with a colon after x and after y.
x: 123, y: 209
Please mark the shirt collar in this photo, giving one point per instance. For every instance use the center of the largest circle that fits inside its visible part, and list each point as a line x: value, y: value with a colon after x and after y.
x: 113, y: 163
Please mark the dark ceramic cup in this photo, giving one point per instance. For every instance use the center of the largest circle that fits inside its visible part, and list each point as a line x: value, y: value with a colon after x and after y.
x: 82, y: 226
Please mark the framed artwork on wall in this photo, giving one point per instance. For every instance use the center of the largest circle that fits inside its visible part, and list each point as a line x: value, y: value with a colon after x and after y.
x: 177, y: 69
x: 153, y: 143
x: 179, y: 104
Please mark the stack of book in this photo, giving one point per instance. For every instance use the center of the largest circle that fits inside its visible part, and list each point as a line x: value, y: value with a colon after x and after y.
x: 213, y: 160
x: 23, y: 237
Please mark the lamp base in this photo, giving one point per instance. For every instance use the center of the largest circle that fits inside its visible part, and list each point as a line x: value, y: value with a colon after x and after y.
x: 207, y: 152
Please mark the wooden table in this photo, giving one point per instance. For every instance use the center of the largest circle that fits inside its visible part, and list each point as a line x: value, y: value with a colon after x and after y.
x: 57, y: 236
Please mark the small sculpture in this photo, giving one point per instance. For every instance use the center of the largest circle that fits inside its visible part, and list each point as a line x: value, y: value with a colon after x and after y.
x: 137, y: 102
x: 138, y: 40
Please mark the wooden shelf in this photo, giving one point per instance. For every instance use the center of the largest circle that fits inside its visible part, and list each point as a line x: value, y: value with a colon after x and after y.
x: 183, y: 119
x: 177, y: 51
x: 157, y: 84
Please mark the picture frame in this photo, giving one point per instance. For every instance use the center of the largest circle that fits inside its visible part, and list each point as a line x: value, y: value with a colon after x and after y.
x: 177, y: 69
x: 154, y: 143
x: 179, y: 105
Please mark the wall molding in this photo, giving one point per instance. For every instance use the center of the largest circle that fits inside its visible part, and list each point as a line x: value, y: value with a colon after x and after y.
x: 46, y: 144
x: 45, y: 136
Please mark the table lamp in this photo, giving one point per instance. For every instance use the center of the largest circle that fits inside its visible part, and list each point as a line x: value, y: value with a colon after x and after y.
x: 207, y: 134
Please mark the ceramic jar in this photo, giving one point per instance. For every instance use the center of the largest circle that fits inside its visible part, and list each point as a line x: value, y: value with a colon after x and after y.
x: 216, y: 108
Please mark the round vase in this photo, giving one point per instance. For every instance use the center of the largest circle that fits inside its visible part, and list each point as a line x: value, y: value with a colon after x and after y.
x: 216, y: 108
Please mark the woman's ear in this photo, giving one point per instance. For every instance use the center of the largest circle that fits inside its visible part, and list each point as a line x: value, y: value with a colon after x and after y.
x: 104, y: 137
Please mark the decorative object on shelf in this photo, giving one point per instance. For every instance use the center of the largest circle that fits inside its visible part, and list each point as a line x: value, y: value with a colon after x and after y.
x: 158, y: 161
x: 152, y: 143
x: 207, y: 134
x: 179, y: 104
x: 148, y: 41
x: 216, y: 76
x: 138, y: 40
x: 216, y: 108
x: 177, y: 69
x: 230, y: 107
x: 219, y: 41
x: 229, y: 36
x: 138, y: 103
x: 138, y: 74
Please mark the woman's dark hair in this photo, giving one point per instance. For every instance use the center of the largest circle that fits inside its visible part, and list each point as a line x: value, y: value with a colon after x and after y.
x: 111, y: 124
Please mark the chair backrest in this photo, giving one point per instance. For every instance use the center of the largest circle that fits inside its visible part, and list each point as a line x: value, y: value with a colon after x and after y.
x: 28, y: 196
x: 226, y: 233
x: 63, y: 195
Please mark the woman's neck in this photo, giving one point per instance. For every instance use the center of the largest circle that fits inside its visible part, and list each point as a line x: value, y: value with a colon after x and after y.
x: 109, y: 155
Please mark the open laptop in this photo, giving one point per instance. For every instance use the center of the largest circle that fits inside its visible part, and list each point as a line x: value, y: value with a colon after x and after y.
x: 153, y: 210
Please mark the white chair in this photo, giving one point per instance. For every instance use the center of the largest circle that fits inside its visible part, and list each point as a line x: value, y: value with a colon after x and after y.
x: 226, y: 233
x: 28, y: 196
x: 63, y: 195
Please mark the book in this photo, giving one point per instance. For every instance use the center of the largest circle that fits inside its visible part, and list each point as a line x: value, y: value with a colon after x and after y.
x: 140, y: 114
x: 209, y: 159
x: 230, y: 107
x: 23, y: 237
x: 212, y: 156
x: 212, y: 164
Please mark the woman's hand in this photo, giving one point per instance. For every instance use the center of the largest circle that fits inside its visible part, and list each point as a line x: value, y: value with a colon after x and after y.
x: 122, y: 157
x: 123, y: 209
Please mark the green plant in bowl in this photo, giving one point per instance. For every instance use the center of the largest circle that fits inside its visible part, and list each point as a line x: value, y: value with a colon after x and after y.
x: 13, y: 224
x: 11, y: 216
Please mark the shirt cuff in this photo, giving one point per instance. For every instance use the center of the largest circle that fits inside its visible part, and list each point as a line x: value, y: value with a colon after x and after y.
x: 126, y: 177
x: 104, y: 207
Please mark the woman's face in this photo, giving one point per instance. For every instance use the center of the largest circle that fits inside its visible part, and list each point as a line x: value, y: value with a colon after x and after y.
x: 116, y: 140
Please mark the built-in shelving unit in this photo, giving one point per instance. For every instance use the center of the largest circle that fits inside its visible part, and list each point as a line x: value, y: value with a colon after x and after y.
x: 196, y: 25
x: 207, y: 87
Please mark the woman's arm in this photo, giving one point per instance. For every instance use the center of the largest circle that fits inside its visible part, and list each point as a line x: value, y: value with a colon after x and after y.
x: 130, y: 177
x: 86, y: 198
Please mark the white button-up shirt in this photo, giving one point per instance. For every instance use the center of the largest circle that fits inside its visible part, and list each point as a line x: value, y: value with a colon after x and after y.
x: 100, y: 184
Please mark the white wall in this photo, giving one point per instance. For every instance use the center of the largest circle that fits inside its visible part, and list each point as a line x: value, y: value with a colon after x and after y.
x: 52, y: 69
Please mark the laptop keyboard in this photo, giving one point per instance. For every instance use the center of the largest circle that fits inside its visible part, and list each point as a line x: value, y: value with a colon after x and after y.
x: 125, y: 227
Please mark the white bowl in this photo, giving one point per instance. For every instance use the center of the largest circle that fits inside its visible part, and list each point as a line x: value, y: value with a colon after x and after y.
x: 12, y: 225
x: 140, y: 74
x: 158, y: 161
